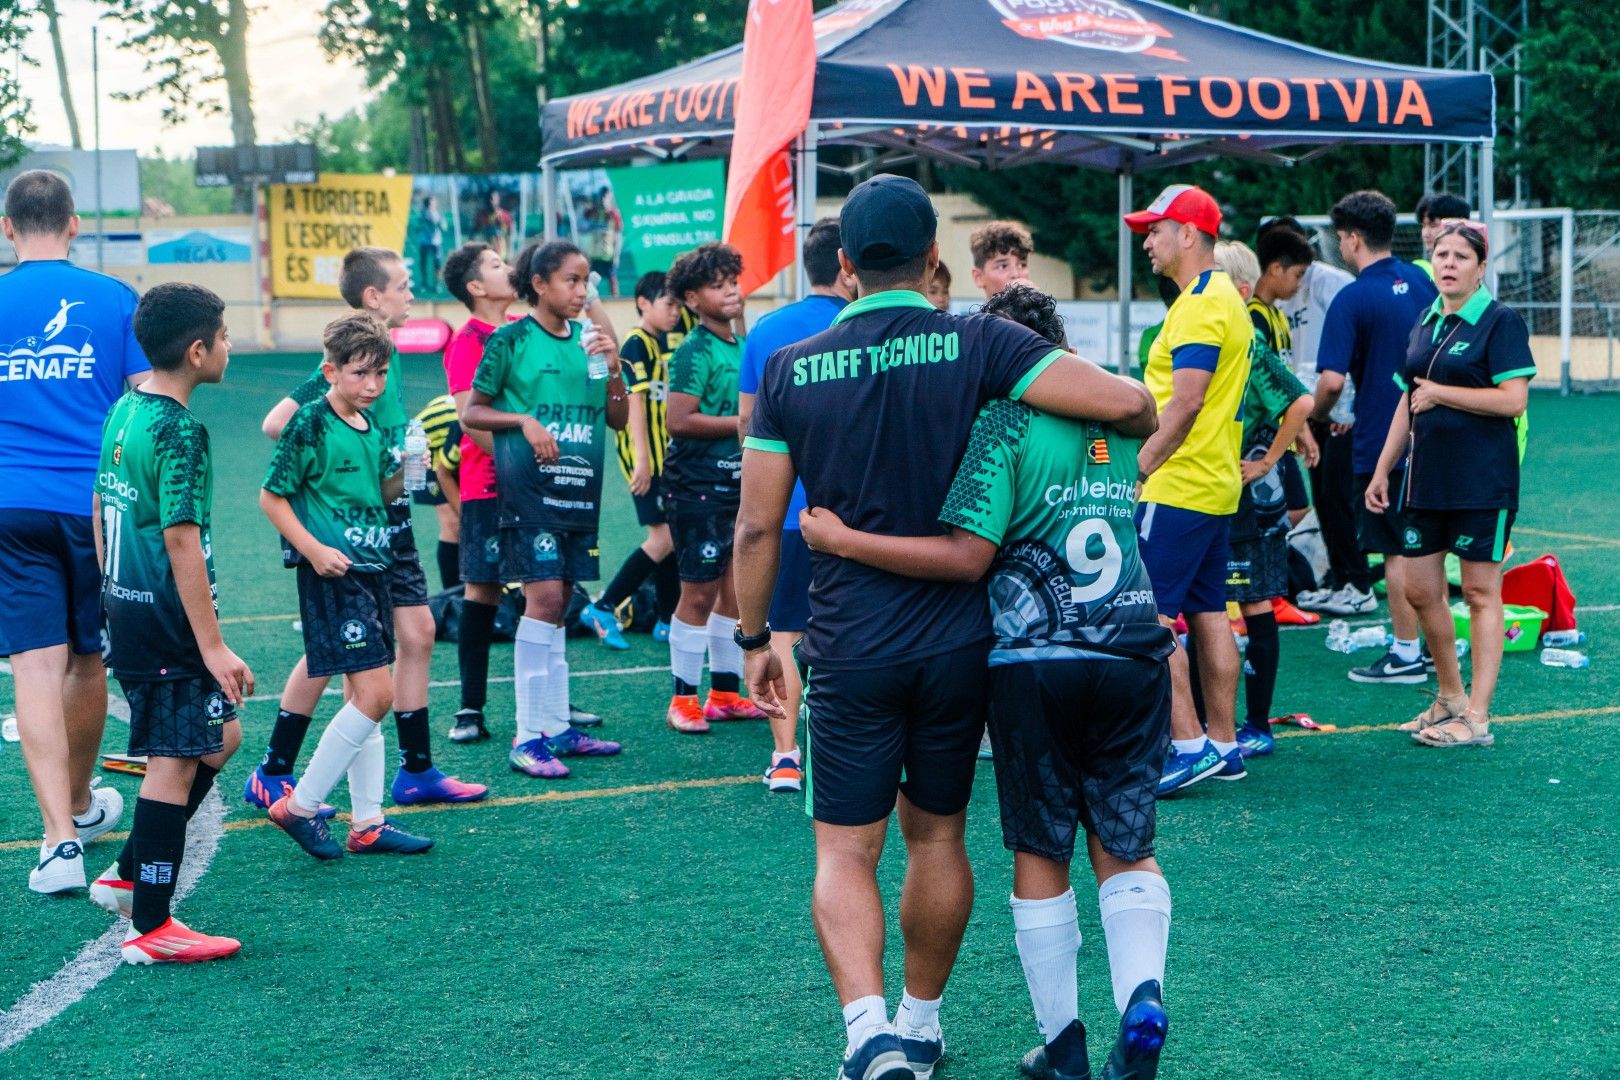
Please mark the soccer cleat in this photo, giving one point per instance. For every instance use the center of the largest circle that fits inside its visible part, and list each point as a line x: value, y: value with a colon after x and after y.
x: 1252, y: 742
x: 1287, y: 614
x: 432, y: 786
x: 534, y: 758
x: 605, y: 626
x: 469, y: 727
x: 1313, y: 599
x: 1232, y: 766
x: 661, y: 633
x: 1390, y: 669
x: 176, y: 943
x: 1142, y: 1031
x: 685, y: 715
x: 1349, y: 601
x: 106, y: 807
x: 386, y: 839
x: 986, y: 752
x: 573, y: 742
x: 263, y: 788
x: 725, y: 705
x: 581, y: 718
x: 924, y: 1047
x: 60, y: 869
x: 1184, y: 770
x: 1064, y: 1058
x: 311, y: 833
x: 113, y: 894
x: 784, y: 773
x: 878, y: 1056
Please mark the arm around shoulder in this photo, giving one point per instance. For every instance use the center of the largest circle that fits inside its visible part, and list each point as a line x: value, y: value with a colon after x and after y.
x: 1075, y: 387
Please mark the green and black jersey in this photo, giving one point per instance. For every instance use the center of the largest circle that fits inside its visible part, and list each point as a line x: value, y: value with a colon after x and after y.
x: 156, y: 472
x: 527, y: 369
x: 706, y: 366
x: 1273, y: 388
x: 388, y: 411
x: 1058, y: 497
x: 332, y: 474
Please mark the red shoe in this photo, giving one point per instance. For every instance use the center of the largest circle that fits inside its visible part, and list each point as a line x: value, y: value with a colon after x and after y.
x: 686, y: 715
x: 1289, y: 615
x: 1181, y: 624
x: 725, y: 705
x: 176, y: 943
x: 112, y: 893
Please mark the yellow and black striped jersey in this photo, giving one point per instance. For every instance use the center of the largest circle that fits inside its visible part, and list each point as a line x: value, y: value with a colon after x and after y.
x: 646, y: 360
x: 437, y: 419
x: 1273, y: 325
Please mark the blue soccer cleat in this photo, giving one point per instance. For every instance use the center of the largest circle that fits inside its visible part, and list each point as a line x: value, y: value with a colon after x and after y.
x: 1142, y: 1031
x: 386, y: 839
x: 1252, y: 742
x: 263, y: 789
x: 432, y: 786
x: 878, y: 1057
x: 606, y: 627
x: 1184, y: 770
x: 661, y: 633
x: 573, y: 742
x: 534, y: 758
x: 1232, y: 766
x: 310, y: 832
x: 1064, y: 1058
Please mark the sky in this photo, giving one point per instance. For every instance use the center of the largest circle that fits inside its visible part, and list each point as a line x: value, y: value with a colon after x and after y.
x: 292, y: 80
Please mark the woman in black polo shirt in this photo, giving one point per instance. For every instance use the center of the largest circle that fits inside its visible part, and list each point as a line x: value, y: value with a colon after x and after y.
x: 1467, y: 375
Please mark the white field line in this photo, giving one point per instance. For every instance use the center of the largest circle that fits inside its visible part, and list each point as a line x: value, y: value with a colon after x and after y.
x: 440, y: 684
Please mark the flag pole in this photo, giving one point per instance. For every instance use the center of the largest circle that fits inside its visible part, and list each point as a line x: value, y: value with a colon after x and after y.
x: 808, y: 156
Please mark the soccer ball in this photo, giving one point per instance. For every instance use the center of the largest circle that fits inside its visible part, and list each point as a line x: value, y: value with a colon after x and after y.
x: 353, y: 632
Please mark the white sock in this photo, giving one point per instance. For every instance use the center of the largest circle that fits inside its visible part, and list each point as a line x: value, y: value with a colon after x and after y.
x: 687, y: 644
x: 1188, y: 746
x: 1407, y: 652
x: 1048, y: 936
x: 724, y: 656
x: 862, y: 1014
x: 554, y: 712
x: 915, y: 1014
x: 531, y: 667
x: 1135, y: 909
x: 1223, y: 748
x: 342, y: 740
x: 366, y: 778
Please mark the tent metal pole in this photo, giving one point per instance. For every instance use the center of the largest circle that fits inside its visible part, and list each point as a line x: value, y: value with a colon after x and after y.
x: 548, y: 199
x: 1122, y: 357
x: 808, y: 176
x: 1566, y: 297
x: 1487, y: 203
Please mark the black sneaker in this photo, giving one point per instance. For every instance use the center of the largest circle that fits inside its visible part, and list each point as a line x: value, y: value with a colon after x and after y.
x: 1390, y: 669
x: 581, y: 718
x: 469, y: 727
x: 1064, y: 1058
x: 1141, y: 1035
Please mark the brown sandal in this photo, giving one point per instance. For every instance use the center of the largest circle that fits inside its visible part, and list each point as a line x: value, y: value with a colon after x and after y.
x: 1449, y: 709
x: 1478, y: 735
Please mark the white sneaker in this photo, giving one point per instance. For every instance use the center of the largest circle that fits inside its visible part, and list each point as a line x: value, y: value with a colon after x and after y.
x: 1351, y: 601
x: 112, y: 893
x: 60, y: 869
x: 106, y: 808
x: 1313, y: 599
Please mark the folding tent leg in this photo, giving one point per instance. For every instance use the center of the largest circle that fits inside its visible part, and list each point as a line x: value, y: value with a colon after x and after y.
x: 1122, y: 357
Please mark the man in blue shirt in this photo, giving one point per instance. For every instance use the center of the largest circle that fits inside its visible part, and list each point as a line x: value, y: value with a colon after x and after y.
x: 830, y: 289
x: 67, y: 352
x: 1365, y: 336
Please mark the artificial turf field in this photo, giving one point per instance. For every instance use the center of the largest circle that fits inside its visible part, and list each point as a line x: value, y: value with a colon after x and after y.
x: 1358, y: 907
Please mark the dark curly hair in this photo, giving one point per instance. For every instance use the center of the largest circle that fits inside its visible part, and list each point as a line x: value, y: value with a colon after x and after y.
x: 539, y: 259
x: 707, y: 264
x: 1028, y: 306
x: 460, y: 268
x: 1370, y: 213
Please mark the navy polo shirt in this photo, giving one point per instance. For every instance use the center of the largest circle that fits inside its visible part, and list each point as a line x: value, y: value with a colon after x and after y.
x: 1364, y: 336
x: 876, y: 412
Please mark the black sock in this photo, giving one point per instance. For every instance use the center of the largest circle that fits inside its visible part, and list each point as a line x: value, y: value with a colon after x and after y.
x: 449, y: 564
x: 159, y: 838
x: 126, y: 859
x: 684, y: 688
x: 477, y: 630
x: 725, y: 682
x: 415, y: 744
x: 1197, y: 683
x: 631, y: 574
x: 667, y: 580
x: 201, y: 785
x: 286, y: 739
x: 1260, y: 668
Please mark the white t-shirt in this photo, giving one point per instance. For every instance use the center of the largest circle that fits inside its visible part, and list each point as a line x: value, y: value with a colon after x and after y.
x: 1307, y: 310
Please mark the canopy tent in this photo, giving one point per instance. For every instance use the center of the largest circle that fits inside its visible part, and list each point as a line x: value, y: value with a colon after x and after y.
x: 1128, y: 87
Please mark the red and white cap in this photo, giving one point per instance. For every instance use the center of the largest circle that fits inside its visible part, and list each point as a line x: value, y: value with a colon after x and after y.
x: 1182, y: 203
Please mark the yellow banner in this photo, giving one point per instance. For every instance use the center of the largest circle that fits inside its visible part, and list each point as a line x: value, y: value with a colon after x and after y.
x: 312, y: 226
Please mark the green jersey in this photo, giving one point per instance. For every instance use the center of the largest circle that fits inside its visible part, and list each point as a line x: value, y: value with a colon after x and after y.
x: 332, y: 474
x: 1272, y: 388
x: 388, y: 411
x: 1058, y: 497
x: 156, y: 472
x: 706, y: 366
x: 527, y: 369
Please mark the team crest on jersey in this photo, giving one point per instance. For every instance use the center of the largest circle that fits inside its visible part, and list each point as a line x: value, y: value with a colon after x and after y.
x: 545, y: 547
x: 1413, y: 538
x: 353, y: 632
x: 1097, y: 452
x: 61, y: 350
x: 118, y: 454
x: 1087, y: 24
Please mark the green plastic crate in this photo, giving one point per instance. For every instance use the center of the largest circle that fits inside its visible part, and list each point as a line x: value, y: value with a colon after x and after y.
x: 1523, y: 625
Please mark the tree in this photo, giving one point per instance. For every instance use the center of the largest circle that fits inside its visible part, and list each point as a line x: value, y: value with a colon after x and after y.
x: 16, y: 123
x: 191, y: 46
x: 53, y: 25
x: 1571, y: 141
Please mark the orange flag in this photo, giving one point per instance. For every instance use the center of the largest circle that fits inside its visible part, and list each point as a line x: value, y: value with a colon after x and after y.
x: 773, y: 109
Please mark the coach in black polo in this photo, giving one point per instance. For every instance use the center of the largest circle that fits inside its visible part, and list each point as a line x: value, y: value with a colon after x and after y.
x: 873, y: 415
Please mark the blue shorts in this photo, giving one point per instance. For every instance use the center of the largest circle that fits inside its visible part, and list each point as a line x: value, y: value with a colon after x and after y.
x: 1185, y: 553
x: 790, y: 603
x: 51, y: 582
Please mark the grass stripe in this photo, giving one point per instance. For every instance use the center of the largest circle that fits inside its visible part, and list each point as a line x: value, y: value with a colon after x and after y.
x: 441, y: 684
x: 1604, y: 541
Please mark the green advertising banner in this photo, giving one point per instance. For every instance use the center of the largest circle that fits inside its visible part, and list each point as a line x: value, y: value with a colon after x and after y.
x: 633, y: 220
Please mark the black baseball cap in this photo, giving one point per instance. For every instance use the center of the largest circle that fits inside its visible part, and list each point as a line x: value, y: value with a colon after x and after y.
x: 885, y: 221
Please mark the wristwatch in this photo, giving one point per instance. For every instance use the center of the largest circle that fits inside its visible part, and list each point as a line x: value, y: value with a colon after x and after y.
x: 751, y: 642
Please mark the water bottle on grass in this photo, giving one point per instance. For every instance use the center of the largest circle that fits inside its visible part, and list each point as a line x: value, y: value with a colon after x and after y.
x: 1559, y: 639
x: 1565, y: 658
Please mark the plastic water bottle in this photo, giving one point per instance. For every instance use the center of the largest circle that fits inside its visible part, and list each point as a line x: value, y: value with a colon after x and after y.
x: 1565, y: 658
x: 1462, y: 648
x: 593, y: 289
x: 596, y: 366
x: 1344, y: 410
x: 1370, y: 637
x: 416, y: 447
x: 1338, y: 637
x: 1559, y: 639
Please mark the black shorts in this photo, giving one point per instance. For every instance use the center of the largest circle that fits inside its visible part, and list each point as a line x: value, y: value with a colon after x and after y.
x: 50, y: 580
x: 1079, y: 743
x: 1381, y: 534
x: 432, y: 495
x: 1257, y: 569
x: 1295, y: 497
x: 790, y: 602
x: 533, y: 554
x: 407, y: 581
x: 1472, y: 535
x: 481, y: 542
x: 348, y: 622
x: 650, y: 508
x: 912, y: 727
x: 182, y: 718
x: 702, y: 533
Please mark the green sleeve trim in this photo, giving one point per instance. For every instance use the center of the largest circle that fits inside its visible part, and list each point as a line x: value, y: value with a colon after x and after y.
x: 1034, y: 373
x: 1400, y: 382
x: 1516, y: 373
x: 967, y: 524
x: 770, y: 446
